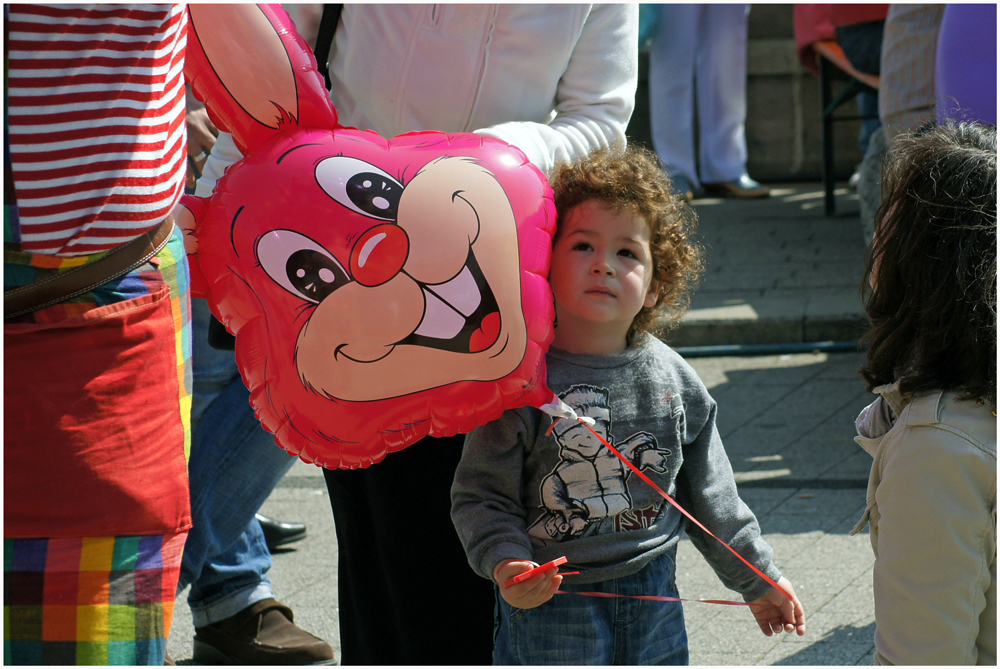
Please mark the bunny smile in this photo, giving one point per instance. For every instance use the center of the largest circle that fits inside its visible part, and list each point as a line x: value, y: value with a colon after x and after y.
x: 460, y: 315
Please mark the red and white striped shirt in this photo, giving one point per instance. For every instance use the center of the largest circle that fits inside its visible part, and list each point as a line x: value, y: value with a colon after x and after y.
x: 96, y: 122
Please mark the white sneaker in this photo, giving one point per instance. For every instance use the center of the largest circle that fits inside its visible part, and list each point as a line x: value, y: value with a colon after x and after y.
x: 855, y: 178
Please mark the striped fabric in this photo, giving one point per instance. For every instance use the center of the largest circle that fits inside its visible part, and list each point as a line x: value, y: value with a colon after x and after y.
x: 95, y: 115
x: 909, y: 47
x: 92, y: 600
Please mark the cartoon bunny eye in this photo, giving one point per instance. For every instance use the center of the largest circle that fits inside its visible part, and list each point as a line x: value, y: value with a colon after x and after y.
x: 360, y: 186
x: 300, y: 265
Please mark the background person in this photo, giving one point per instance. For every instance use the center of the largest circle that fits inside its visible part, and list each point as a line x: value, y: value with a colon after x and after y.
x: 234, y: 466
x: 932, y: 430
x: 96, y: 332
x: 557, y: 81
x: 529, y: 489
x: 698, y: 65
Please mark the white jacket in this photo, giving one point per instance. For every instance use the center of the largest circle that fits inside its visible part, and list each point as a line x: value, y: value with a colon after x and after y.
x: 557, y: 81
x: 932, y: 506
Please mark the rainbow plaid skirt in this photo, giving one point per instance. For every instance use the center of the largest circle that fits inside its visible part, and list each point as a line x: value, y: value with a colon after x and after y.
x: 96, y: 599
x: 90, y: 600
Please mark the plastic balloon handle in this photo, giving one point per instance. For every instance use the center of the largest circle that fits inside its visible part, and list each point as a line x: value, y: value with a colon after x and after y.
x: 693, y: 520
x: 537, y: 570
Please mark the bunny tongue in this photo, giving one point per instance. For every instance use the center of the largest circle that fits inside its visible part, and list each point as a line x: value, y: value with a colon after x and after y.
x: 487, y: 333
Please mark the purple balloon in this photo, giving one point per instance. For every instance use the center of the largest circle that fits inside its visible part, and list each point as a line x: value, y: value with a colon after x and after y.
x: 966, y: 68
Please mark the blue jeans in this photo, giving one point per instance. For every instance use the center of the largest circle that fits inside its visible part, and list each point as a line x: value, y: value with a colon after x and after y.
x: 868, y: 111
x: 234, y: 466
x: 580, y: 630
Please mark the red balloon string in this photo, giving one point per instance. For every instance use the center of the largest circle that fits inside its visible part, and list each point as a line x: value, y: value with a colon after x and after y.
x: 658, y: 598
x: 688, y: 516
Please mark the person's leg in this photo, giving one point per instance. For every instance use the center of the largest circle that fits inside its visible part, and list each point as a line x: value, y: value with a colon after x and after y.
x: 566, y: 630
x: 234, y: 466
x: 868, y: 111
x: 721, y: 76
x: 397, y: 549
x: 870, y: 184
x: 232, y: 580
x: 671, y: 90
x: 862, y: 45
x: 650, y: 632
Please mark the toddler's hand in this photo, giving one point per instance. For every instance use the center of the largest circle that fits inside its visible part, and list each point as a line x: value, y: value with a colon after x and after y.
x: 778, y: 612
x: 529, y: 593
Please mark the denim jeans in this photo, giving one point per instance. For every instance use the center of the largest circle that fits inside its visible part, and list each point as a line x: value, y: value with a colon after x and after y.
x: 868, y: 111
x: 581, y: 630
x: 234, y: 466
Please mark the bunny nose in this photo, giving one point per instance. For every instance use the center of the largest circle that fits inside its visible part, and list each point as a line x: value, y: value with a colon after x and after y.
x: 379, y: 254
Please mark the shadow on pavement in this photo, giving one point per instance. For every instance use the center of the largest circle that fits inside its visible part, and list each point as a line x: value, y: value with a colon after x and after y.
x: 845, y: 645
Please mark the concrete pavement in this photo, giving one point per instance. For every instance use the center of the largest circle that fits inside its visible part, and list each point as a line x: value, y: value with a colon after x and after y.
x: 778, y: 272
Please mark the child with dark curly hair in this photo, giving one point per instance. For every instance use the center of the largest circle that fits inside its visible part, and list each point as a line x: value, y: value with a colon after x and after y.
x: 529, y: 490
x: 932, y: 351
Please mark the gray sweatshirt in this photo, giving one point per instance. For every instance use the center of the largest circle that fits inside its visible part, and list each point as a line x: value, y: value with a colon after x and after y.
x: 519, y: 493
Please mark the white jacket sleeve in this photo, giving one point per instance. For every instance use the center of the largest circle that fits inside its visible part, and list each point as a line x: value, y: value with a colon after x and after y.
x: 596, y: 95
x: 223, y: 154
x: 936, y: 503
x: 594, y: 99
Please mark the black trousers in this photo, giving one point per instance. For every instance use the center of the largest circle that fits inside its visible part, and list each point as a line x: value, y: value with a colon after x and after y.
x: 407, y: 593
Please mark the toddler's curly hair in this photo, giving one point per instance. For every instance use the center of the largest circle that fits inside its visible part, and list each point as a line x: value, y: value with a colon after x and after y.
x: 632, y: 179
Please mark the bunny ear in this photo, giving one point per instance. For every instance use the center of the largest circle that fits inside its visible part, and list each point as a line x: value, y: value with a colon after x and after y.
x: 256, y: 75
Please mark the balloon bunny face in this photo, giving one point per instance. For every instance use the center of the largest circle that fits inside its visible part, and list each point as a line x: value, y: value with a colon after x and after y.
x: 394, y: 284
x: 380, y: 290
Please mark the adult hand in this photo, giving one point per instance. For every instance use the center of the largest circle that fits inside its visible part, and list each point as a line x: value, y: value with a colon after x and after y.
x: 201, y: 134
x: 531, y: 592
x: 777, y: 612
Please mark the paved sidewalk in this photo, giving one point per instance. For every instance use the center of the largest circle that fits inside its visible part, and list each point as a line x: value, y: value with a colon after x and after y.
x: 788, y: 425
x: 778, y: 272
x: 787, y: 422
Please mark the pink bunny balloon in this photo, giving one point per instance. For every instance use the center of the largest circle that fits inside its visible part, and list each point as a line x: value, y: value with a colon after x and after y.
x: 380, y: 290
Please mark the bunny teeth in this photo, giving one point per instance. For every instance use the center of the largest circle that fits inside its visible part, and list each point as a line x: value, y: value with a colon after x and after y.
x: 441, y: 320
x: 456, y: 310
x: 460, y: 292
x: 448, y: 305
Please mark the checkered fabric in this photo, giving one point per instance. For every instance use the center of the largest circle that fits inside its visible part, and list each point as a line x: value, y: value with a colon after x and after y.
x: 89, y: 600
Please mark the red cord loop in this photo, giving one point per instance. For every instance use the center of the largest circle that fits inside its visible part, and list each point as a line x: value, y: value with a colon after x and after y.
x: 689, y: 517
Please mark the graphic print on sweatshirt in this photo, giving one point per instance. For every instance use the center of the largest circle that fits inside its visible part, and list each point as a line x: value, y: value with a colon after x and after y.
x: 586, y: 493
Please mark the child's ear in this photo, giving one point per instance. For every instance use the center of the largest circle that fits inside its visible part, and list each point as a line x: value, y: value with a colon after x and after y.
x: 653, y: 294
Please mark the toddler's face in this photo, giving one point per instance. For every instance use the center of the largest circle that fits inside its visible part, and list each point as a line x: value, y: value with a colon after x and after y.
x: 602, y: 268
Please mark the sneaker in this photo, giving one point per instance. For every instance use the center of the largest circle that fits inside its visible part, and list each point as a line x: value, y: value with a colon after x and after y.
x: 855, y: 178
x: 260, y: 634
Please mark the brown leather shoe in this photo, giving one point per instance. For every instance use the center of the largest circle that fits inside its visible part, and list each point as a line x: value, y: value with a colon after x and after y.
x: 742, y: 187
x: 260, y: 634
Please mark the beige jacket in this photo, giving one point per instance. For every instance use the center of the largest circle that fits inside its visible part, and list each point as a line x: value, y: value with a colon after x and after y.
x: 932, y: 506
